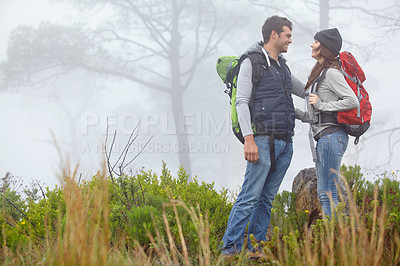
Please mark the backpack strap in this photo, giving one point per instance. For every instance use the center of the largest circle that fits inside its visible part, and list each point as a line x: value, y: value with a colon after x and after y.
x: 271, y: 140
x: 324, y: 117
x: 257, y: 66
x: 229, y: 75
x: 318, y: 80
x: 355, y: 80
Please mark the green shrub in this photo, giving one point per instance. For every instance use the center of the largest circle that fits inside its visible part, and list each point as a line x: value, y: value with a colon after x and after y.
x: 133, y: 199
x: 284, y: 214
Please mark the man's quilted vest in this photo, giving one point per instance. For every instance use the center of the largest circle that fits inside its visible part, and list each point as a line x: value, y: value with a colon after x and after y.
x: 272, y: 110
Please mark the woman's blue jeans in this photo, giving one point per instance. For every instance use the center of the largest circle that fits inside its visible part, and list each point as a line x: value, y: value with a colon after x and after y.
x: 330, y: 149
x: 254, y: 203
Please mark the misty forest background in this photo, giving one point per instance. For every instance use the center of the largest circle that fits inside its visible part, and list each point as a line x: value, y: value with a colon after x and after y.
x: 78, y: 74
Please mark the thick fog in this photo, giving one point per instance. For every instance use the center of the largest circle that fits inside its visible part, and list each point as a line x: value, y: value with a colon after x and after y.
x: 50, y: 112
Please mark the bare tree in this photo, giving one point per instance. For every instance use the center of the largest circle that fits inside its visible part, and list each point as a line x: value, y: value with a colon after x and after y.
x: 327, y: 12
x: 157, y: 44
x: 118, y: 166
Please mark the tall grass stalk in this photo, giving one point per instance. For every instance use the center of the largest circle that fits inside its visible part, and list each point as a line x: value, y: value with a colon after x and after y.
x: 83, y: 235
x: 168, y: 254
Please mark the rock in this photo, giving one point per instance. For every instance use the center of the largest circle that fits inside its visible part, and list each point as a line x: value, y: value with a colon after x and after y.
x: 304, y: 188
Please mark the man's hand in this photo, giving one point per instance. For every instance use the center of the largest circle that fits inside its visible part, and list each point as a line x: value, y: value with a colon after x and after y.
x: 250, y: 149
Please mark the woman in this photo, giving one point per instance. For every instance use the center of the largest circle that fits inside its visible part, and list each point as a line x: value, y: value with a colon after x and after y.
x: 328, y: 93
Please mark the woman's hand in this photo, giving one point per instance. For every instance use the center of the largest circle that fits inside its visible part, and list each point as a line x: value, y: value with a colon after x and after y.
x: 313, y: 99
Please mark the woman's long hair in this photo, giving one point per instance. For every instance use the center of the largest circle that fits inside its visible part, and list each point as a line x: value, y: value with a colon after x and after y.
x: 329, y: 61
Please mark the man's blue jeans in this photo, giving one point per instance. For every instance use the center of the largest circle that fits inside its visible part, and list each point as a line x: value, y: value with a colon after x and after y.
x: 330, y: 149
x: 259, y: 189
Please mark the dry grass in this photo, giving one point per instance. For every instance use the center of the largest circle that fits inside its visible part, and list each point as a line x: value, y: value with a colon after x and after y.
x: 83, y: 238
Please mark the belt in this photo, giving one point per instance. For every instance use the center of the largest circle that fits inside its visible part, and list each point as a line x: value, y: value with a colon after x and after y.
x: 287, y: 137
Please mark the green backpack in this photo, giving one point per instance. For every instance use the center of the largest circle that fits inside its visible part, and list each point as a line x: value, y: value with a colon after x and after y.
x: 228, y: 70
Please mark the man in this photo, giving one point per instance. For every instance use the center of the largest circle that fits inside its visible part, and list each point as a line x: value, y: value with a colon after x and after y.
x: 267, y: 123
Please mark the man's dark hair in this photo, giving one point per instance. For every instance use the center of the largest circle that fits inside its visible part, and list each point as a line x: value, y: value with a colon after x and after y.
x: 275, y: 23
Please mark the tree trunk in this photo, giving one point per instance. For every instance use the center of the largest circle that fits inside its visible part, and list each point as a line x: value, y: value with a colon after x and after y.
x: 182, y: 145
x: 177, y: 89
x: 323, y: 14
x: 74, y: 142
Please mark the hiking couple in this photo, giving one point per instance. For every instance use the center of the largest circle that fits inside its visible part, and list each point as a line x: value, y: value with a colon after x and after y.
x: 268, y: 110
